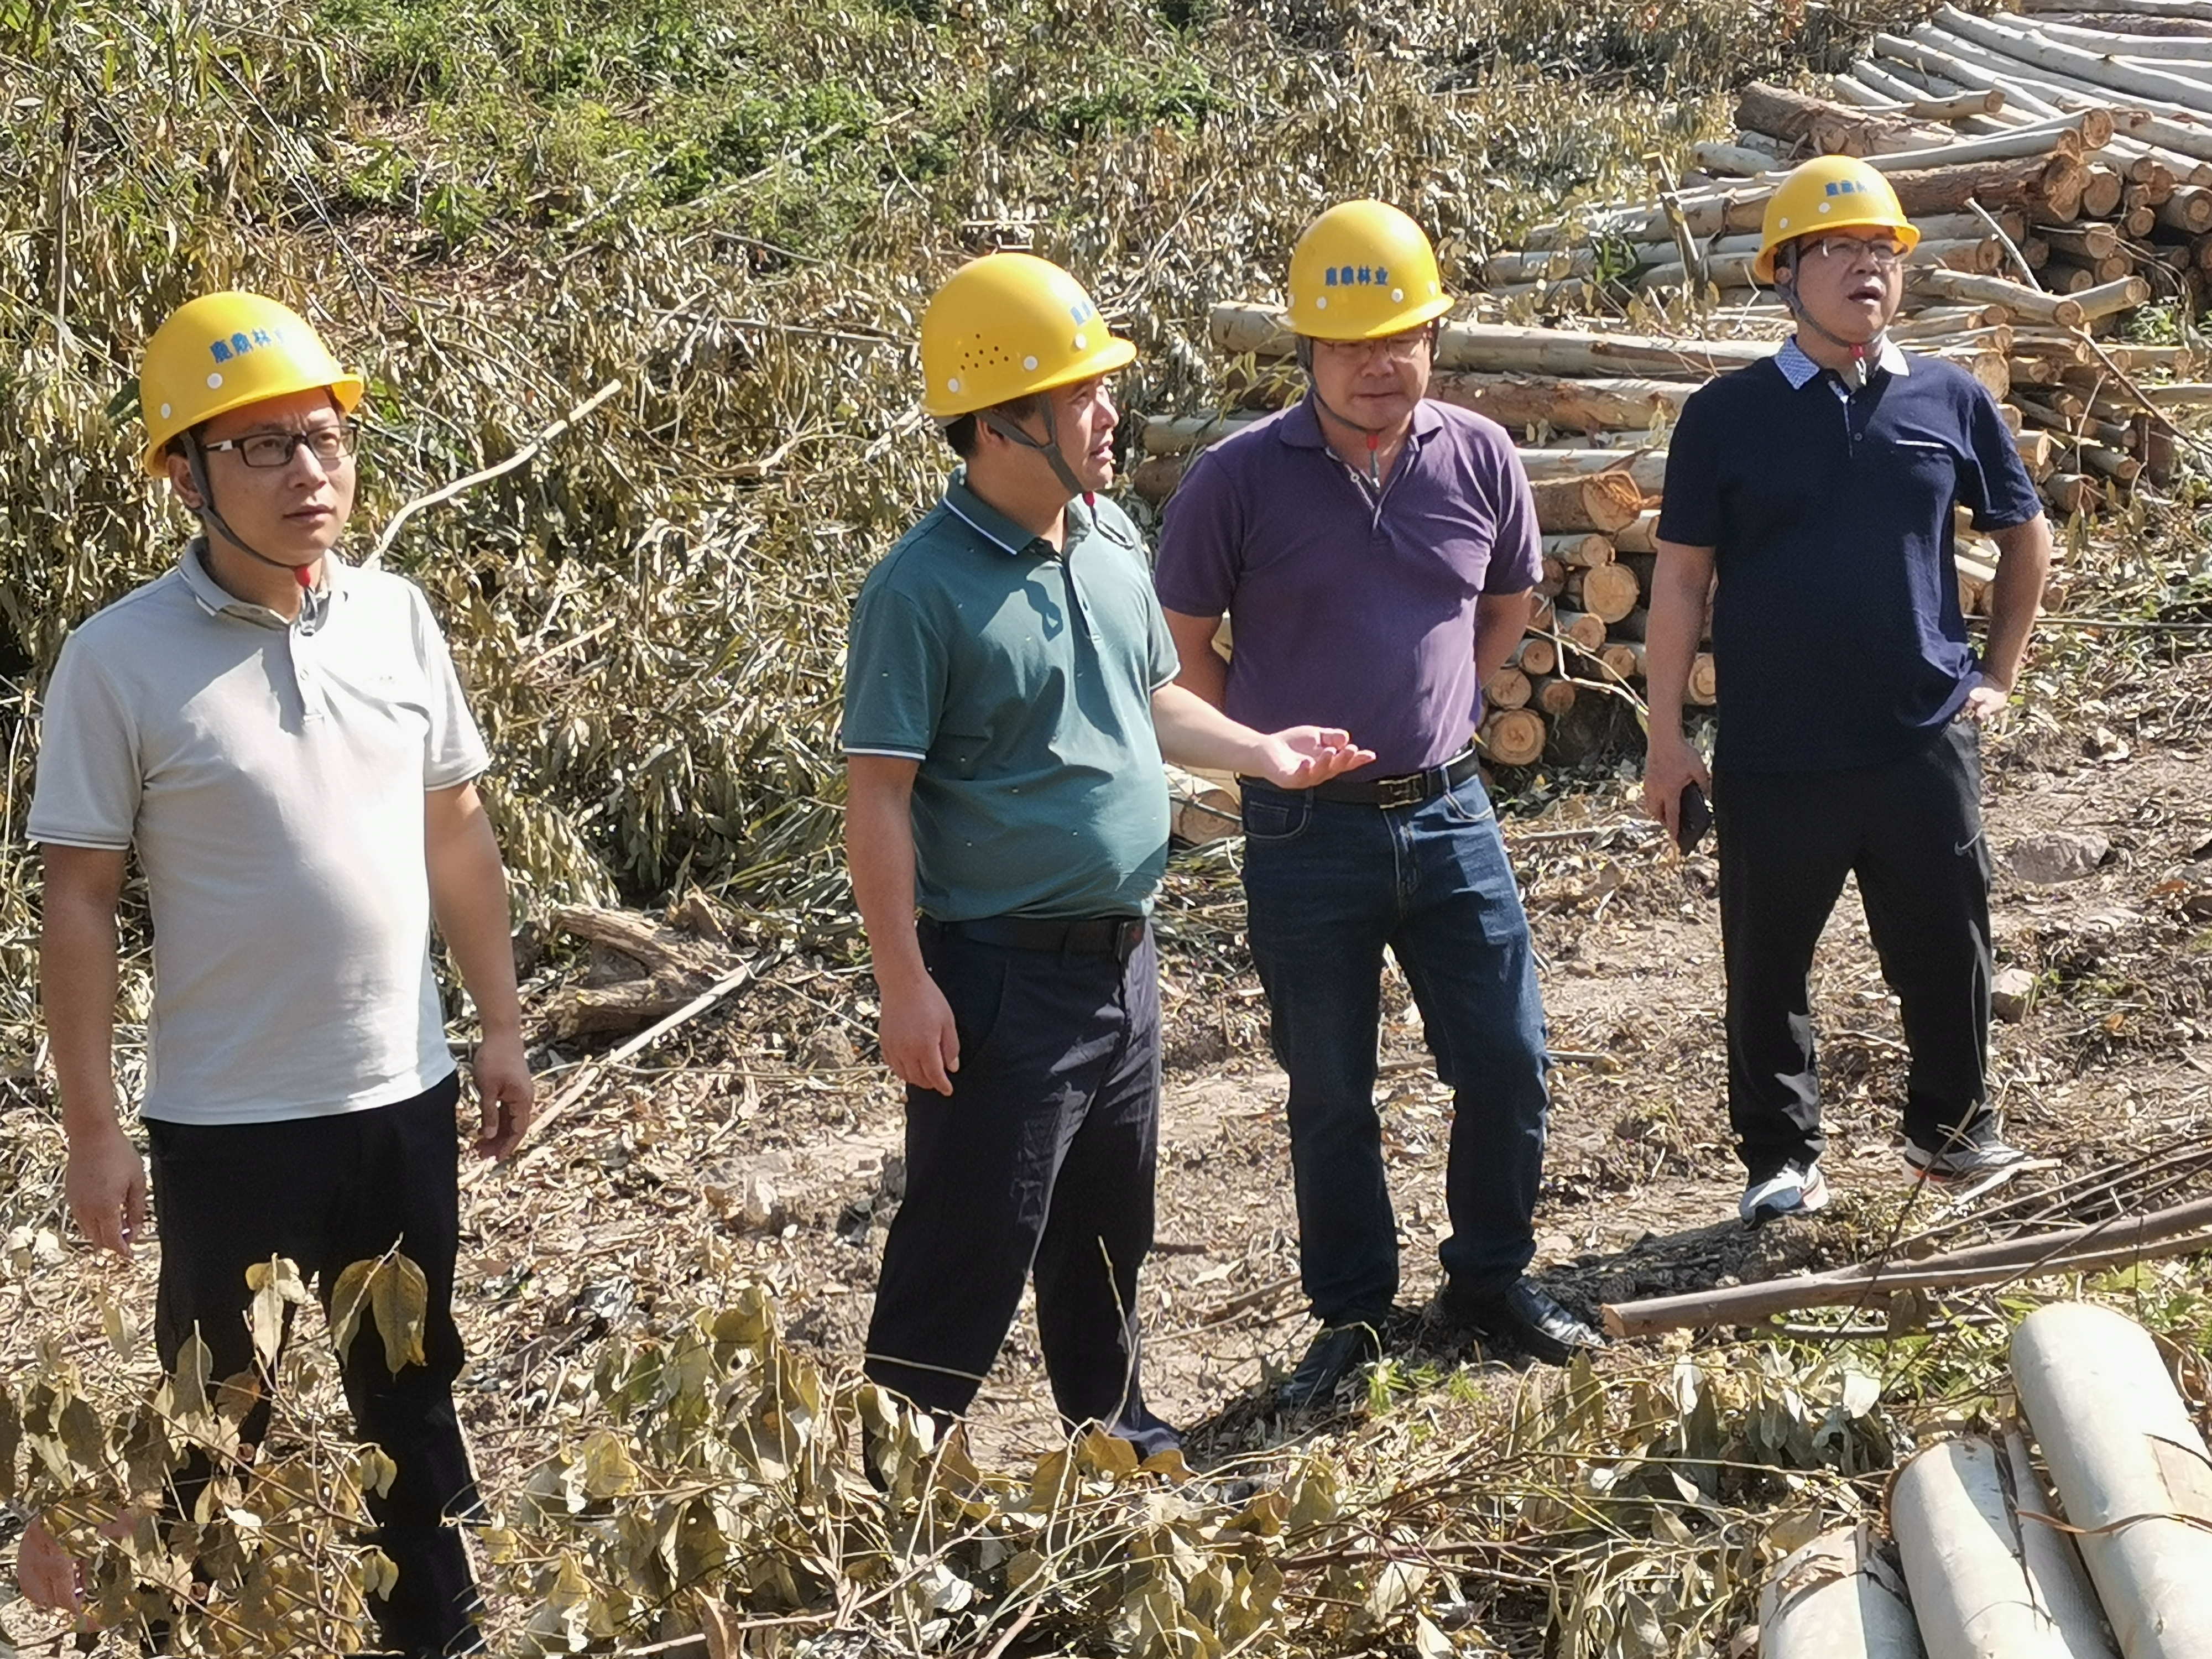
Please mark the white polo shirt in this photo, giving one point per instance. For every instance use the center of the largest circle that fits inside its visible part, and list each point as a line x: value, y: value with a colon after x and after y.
x: 271, y: 774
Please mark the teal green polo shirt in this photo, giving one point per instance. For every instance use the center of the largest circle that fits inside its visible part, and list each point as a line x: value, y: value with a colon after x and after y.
x: 1020, y: 680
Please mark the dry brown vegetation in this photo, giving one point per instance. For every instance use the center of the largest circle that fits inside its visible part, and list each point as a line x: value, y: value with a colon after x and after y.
x: 496, y: 209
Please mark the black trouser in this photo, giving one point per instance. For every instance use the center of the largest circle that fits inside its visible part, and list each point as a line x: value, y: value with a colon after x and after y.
x: 1910, y: 830
x: 1039, y: 1160
x: 327, y: 1191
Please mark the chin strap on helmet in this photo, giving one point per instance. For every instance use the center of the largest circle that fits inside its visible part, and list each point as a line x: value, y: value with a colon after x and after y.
x: 1372, y: 433
x: 1048, y: 446
x: 196, y: 459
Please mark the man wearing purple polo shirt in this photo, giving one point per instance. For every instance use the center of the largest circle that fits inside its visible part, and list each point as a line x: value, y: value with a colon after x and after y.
x: 1375, y: 552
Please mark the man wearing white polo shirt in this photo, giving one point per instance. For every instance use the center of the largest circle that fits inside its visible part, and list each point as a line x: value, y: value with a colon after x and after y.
x: 282, y: 741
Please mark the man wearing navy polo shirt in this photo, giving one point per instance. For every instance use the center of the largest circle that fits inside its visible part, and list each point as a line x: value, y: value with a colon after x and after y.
x: 1008, y: 696
x: 1375, y: 552
x: 1819, y: 487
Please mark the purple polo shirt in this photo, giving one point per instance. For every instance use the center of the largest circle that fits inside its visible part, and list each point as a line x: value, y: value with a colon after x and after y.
x: 1352, y: 609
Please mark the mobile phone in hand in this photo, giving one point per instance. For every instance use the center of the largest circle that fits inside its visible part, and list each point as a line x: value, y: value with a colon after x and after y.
x: 1692, y: 819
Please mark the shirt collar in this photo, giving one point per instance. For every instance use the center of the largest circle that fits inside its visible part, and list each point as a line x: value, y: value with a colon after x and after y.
x: 1001, y: 532
x: 1300, y: 427
x: 1800, y: 371
x: 219, y: 601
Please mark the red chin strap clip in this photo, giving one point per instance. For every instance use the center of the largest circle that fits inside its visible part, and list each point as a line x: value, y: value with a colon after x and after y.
x: 304, y: 575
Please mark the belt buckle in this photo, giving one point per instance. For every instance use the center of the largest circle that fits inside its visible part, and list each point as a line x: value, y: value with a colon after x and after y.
x: 1401, y: 792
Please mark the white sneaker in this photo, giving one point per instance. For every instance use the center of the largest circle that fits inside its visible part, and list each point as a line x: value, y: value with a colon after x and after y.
x: 1965, y: 1160
x: 1789, y: 1191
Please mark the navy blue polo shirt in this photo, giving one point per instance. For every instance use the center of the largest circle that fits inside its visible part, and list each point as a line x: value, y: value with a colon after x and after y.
x: 1837, y: 632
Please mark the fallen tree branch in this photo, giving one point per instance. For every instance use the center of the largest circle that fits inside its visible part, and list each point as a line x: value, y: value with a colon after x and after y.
x: 520, y: 458
x: 736, y: 980
x: 2183, y: 1229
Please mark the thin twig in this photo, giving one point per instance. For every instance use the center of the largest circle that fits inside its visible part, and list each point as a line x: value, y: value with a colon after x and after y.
x: 520, y: 458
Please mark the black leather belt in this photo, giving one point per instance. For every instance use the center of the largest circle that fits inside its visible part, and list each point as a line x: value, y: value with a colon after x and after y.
x: 1408, y: 789
x: 1117, y: 937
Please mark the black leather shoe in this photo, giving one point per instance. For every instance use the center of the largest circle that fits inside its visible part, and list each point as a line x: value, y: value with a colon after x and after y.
x: 1336, y: 1354
x: 1524, y: 1316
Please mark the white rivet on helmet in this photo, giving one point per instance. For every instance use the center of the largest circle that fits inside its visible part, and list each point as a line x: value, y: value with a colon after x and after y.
x: 1321, y: 302
x: 1081, y: 343
x: 1397, y: 296
x: 1432, y: 288
x: 165, y: 411
x: 953, y: 385
x: 215, y: 382
x: 1825, y: 206
x: 1028, y: 363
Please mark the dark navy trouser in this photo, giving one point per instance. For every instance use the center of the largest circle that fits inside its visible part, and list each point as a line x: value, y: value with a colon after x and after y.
x: 1910, y: 830
x: 327, y: 1191
x: 1329, y: 884
x: 1039, y: 1161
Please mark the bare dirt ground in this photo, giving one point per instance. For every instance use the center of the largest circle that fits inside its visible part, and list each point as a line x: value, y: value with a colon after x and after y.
x: 1641, y: 1180
x: 762, y: 1142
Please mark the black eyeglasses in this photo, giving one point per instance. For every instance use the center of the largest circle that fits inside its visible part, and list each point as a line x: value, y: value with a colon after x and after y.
x: 329, y: 445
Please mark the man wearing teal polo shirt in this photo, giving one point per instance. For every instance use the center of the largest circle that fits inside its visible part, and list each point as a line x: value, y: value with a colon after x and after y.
x: 1009, y: 695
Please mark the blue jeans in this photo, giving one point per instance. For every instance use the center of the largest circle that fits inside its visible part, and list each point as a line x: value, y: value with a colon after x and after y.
x: 1328, y: 885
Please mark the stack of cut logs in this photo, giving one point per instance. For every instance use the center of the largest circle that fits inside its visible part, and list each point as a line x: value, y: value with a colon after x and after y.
x: 2061, y: 177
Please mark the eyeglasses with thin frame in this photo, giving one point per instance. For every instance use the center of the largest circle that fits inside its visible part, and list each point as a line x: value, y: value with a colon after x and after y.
x: 329, y: 445
x: 1881, y: 251
x: 1393, y: 348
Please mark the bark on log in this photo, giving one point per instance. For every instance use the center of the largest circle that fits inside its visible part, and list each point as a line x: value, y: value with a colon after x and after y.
x: 2023, y: 303
x: 1734, y: 161
x: 2109, y: 299
x: 2082, y: 241
x: 1508, y: 349
x: 1827, y: 127
x: 2073, y: 492
x: 655, y: 949
x: 1514, y: 737
x: 1645, y: 468
x: 2029, y: 46
x: 1178, y: 434
x: 629, y: 1005
x: 1983, y: 253
x: 1603, y: 404
x: 1155, y: 476
x: 1603, y: 503
x: 2055, y: 182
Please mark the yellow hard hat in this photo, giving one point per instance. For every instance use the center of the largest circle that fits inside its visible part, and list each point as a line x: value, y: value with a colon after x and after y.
x: 1361, y: 271
x: 223, y: 351
x: 1826, y: 193
x: 1006, y: 326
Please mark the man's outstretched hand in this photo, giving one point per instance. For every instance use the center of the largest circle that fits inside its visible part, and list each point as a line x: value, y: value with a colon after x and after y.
x: 1300, y: 756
